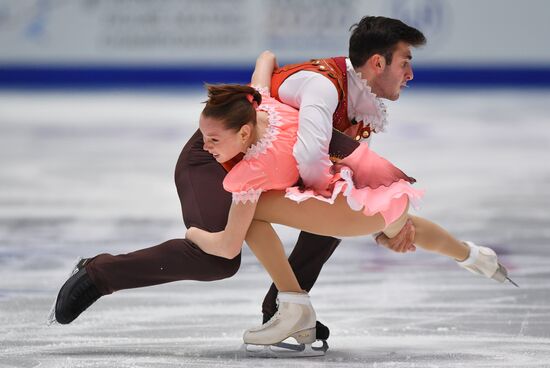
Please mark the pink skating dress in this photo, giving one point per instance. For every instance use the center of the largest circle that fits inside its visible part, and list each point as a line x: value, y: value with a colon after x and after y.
x: 369, y: 182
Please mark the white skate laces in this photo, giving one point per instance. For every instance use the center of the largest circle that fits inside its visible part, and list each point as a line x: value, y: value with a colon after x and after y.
x: 484, y: 261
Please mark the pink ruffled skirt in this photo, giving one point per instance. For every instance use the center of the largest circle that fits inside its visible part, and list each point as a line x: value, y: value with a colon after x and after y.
x: 370, y: 183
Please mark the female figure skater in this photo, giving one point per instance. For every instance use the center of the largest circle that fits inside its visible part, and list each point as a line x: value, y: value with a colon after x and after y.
x: 367, y: 194
x: 330, y: 92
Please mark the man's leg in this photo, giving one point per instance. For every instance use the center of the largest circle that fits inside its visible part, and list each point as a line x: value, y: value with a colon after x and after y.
x: 205, y: 204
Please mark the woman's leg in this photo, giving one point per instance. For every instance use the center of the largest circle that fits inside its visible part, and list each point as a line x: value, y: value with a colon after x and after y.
x: 308, y: 256
x: 317, y: 217
x: 428, y: 235
x: 268, y: 248
x: 434, y: 238
x: 296, y: 316
x: 326, y: 219
x: 339, y: 220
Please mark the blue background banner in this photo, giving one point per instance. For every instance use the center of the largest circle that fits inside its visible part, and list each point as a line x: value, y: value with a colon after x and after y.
x: 174, y: 43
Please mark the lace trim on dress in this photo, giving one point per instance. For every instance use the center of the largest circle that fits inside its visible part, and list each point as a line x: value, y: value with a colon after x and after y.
x: 261, y: 146
x: 364, y: 105
x: 366, y: 199
x: 251, y: 195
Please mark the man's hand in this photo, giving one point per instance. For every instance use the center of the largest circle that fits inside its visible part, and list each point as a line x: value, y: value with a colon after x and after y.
x: 402, y: 242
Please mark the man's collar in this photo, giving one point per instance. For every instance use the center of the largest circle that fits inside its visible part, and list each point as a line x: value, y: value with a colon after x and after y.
x: 363, y: 105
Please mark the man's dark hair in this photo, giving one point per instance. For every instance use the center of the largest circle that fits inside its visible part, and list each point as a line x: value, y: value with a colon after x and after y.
x: 380, y: 35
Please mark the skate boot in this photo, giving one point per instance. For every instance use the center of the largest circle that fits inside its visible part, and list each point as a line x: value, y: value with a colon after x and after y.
x: 75, y: 296
x: 322, y: 332
x: 483, y: 261
x: 295, y: 317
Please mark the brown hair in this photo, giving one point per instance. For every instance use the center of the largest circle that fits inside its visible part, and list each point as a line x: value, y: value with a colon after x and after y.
x: 230, y: 104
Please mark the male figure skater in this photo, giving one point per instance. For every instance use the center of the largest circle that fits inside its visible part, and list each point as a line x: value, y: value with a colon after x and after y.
x: 341, y: 93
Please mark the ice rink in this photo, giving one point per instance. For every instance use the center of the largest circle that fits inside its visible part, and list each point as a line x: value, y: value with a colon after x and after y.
x: 84, y: 173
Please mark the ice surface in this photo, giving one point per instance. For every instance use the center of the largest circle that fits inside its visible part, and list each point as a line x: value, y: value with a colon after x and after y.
x: 84, y: 173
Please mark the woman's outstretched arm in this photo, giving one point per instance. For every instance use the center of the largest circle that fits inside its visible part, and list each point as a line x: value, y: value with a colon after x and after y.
x: 227, y: 243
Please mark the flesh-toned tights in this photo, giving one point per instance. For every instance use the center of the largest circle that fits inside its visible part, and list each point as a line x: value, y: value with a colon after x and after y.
x: 337, y: 220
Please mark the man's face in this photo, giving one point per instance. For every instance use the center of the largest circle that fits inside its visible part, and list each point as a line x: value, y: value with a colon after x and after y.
x: 388, y: 83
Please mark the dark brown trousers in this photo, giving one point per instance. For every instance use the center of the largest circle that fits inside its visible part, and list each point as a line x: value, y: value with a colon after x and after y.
x: 205, y: 204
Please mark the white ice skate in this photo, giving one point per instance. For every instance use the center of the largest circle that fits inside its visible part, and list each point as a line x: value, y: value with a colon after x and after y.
x: 294, y: 318
x: 483, y: 261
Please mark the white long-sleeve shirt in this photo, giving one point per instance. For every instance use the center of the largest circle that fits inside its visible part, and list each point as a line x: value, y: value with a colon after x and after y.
x: 317, y: 99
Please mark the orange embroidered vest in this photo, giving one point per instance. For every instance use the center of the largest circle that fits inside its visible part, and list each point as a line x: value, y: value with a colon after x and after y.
x: 335, y: 70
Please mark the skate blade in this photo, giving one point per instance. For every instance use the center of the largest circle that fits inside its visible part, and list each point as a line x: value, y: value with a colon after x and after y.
x: 51, y: 316
x: 512, y: 282
x: 502, y: 275
x: 286, y: 350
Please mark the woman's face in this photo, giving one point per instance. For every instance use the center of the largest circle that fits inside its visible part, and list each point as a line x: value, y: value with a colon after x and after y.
x: 222, y: 143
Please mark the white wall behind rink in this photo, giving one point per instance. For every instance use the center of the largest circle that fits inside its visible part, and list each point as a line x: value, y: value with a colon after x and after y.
x: 233, y: 32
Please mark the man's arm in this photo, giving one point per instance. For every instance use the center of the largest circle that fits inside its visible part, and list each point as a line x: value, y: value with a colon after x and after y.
x: 317, y: 99
x: 402, y: 242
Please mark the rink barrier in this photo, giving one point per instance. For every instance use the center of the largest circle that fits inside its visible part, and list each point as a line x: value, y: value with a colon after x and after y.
x: 105, y: 76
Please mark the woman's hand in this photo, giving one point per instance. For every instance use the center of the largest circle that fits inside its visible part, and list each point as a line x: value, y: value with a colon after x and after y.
x: 211, y: 243
x: 191, y: 234
x: 265, y: 64
x: 227, y: 243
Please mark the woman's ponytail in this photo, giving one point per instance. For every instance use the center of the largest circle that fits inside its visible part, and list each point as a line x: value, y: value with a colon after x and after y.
x: 234, y: 104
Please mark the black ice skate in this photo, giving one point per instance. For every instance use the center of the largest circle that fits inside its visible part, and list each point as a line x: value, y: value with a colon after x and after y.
x: 75, y: 296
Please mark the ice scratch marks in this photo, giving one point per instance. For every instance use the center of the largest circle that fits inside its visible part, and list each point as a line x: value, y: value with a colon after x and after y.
x: 524, y: 324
